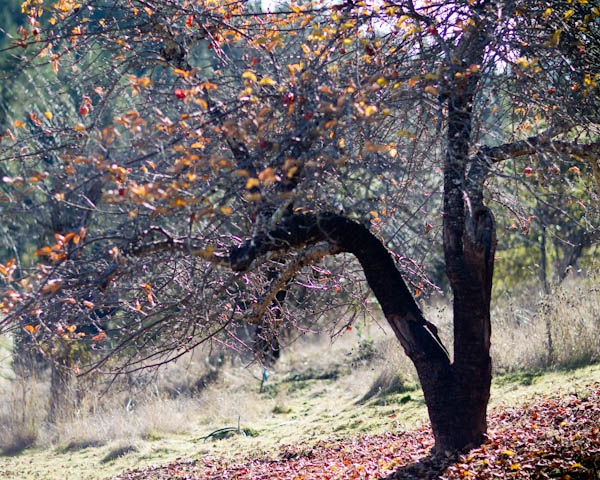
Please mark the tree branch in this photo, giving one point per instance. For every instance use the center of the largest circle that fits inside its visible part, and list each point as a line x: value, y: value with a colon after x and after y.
x: 417, y: 336
x: 538, y: 144
x: 543, y: 143
x: 307, y: 257
x: 177, y: 245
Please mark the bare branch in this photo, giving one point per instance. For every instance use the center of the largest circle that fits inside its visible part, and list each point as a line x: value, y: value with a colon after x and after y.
x: 537, y: 144
x: 178, y: 245
x: 307, y: 257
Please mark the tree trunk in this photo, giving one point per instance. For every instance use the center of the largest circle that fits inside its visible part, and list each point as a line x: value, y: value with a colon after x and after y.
x: 544, y: 261
x: 61, y: 401
x: 456, y: 395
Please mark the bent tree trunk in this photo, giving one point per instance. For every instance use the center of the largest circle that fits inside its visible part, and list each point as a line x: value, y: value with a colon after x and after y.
x: 456, y: 393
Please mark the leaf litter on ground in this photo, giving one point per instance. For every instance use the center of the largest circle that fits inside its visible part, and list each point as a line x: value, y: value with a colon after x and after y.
x: 548, y: 437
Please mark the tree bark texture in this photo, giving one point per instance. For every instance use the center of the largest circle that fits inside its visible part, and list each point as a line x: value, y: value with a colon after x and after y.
x: 469, y: 245
x: 456, y: 397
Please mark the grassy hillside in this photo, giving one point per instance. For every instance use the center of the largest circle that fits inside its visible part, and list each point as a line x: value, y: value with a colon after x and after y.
x: 359, y: 388
x: 296, y: 409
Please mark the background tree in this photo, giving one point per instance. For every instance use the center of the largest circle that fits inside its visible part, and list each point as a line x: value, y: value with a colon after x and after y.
x: 210, y: 137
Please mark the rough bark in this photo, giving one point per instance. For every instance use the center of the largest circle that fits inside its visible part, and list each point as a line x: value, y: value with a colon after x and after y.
x: 469, y: 246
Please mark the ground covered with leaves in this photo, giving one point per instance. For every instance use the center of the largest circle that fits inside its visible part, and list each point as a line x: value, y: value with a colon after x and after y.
x: 553, y: 436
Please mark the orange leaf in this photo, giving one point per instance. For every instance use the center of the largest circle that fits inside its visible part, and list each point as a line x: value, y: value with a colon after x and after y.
x: 100, y: 336
x: 33, y: 117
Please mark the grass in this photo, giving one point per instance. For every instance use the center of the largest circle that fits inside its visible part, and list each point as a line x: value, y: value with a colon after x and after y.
x: 363, y: 384
x: 323, y: 410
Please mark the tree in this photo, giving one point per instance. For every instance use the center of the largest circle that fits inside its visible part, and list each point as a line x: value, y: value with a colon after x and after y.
x: 212, y: 137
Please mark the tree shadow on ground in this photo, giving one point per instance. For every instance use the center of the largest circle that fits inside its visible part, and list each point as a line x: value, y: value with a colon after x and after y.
x: 427, y: 468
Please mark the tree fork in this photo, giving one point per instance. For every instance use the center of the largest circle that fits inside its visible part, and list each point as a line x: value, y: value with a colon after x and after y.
x: 455, y: 401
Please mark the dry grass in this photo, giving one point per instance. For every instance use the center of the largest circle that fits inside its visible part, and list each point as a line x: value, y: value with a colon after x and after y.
x: 21, y: 413
x: 559, y: 330
x: 175, y: 400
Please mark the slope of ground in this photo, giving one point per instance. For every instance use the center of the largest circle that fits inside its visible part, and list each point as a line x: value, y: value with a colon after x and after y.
x: 324, y: 430
x: 553, y: 436
x: 358, y: 393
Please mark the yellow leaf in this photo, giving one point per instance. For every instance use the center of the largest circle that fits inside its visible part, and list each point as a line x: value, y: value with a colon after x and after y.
x: 226, y: 210
x: 252, y: 182
x: 79, y: 127
x: 250, y: 75
x: 555, y: 38
x: 568, y: 13
x: 508, y: 453
x: 180, y: 72
x: 431, y: 90
x: 370, y: 110
x: 18, y: 123
x: 71, y: 328
x: 48, y: 115
x: 52, y: 286
x: 29, y: 328
x: 202, y: 103
x: 267, y: 81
